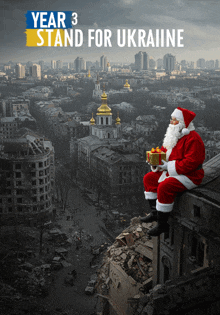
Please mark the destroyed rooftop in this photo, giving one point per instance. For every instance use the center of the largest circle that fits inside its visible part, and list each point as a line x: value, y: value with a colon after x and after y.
x: 25, y: 145
x: 210, y: 187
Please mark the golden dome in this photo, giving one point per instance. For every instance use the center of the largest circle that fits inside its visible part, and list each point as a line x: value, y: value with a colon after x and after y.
x: 89, y: 75
x: 127, y: 85
x: 108, y: 64
x: 118, y: 120
x: 92, y: 120
x: 104, y: 109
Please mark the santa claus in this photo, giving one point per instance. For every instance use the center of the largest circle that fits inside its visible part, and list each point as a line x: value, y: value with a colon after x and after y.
x: 182, y: 170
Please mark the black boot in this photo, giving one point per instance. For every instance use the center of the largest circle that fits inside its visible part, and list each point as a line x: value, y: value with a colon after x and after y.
x: 162, y: 225
x: 151, y: 217
x: 152, y: 203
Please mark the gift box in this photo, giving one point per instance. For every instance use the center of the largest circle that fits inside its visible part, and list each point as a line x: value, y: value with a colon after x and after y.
x: 155, y: 156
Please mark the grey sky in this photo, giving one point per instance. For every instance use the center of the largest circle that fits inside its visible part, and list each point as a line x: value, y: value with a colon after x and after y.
x: 199, y: 19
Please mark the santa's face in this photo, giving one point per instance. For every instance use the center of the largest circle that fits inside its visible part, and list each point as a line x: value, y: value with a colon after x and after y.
x: 173, y: 133
x: 174, y: 121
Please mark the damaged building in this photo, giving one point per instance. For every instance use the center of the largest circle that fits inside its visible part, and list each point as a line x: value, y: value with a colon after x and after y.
x: 27, y: 177
x: 177, y: 272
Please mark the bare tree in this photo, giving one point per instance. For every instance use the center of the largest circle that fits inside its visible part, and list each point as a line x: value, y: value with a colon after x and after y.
x: 63, y: 184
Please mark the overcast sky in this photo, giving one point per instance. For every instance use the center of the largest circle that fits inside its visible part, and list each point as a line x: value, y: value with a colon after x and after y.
x: 199, y: 19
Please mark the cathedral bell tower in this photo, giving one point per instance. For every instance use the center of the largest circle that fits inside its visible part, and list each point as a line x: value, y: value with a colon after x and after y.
x: 104, y: 114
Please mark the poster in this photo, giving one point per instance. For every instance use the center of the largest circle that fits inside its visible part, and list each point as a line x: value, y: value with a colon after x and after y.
x: 167, y: 50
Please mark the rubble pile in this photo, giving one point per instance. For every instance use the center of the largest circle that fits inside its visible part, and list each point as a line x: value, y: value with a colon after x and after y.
x: 133, y: 252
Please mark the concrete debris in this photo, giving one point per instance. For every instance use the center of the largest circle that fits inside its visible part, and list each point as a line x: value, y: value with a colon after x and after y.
x: 131, y: 255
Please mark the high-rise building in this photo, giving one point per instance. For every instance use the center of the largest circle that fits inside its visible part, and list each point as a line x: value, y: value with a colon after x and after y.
x: 200, y: 63
x: 103, y: 62
x: 152, y: 63
x: 169, y: 62
x: 88, y: 65
x: 53, y: 64
x: 80, y: 64
x: 145, y: 61
x: 210, y: 64
x: 36, y: 71
x: 97, y: 64
x: 59, y: 64
x: 139, y: 61
x: 27, y: 166
x: 159, y: 64
x: 71, y: 65
x: 20, y: 71
x: 216, y: 64
x: 41, y: 63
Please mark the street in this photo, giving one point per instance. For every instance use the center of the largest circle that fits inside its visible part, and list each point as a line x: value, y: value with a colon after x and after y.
x: 83, y: 221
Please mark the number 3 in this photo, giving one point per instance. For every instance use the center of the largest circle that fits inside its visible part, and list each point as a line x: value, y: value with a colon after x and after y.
x: 75, y: 20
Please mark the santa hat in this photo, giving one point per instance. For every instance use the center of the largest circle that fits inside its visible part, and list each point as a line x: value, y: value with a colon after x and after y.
x: 185, y: 115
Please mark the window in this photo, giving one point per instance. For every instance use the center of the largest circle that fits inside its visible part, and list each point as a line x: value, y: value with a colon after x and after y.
x: 8, y: 184
x: 196, y: 211
x: 45, y: 163
x: 41, y: 181
x: 41, y: 190
x: 19, y: 209
x: 17, y: 166
x: 34, y: 199
x: 19, y: 200
x: 18, y: 183
x: 33, y: 165
x: 197, y: 251
x: 101, y: 120
x: 41, y: 173
x: 40, y: 164
x: 106, y: 120
x: 10, y: 209
x: 34, y: 182
x: 18, y: 175
x: 33, y: 174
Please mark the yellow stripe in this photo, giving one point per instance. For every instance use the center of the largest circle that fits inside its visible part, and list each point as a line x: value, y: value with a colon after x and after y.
x: 40, y: 38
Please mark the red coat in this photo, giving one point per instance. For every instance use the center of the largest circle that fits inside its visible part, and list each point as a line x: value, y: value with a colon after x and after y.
x: 185, y: 160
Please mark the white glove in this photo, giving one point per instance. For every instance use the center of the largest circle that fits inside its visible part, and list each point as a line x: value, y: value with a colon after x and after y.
x: 164, y: 166
x: 154, y: 168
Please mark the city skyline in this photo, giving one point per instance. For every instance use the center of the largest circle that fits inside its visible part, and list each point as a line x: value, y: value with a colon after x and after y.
x: 199, y: 20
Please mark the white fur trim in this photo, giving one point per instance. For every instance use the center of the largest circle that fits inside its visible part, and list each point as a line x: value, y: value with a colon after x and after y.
x: 185, y: 181
x: 154, y: 170
x: 178, y: 114
x: 168, y: 154
x: 185, y: 131
x: 164, y: 207
x: 181, y: 178
x: 150, y: 195
x: 171, y: 167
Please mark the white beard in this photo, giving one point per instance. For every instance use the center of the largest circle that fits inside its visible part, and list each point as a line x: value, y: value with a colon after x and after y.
x: 173, y: 134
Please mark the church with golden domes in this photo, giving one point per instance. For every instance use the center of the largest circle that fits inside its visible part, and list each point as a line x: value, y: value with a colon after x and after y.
x: 103, y: 125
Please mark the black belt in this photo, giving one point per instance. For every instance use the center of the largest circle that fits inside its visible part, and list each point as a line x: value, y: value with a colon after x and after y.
x: 199, y: 167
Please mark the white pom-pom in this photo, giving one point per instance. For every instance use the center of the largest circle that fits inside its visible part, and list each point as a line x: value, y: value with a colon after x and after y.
x: 185, y: 131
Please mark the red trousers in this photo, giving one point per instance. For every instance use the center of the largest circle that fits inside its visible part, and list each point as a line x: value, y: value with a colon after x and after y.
x: 166, y: 190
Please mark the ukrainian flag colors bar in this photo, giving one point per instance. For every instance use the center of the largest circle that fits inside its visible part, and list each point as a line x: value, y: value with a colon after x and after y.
x: 40, y: 38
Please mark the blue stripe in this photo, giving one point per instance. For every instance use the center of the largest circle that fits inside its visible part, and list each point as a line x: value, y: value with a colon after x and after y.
x: 30, y: 20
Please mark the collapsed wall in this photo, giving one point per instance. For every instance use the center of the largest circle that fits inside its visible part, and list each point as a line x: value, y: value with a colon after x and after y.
x: 126, y: 272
